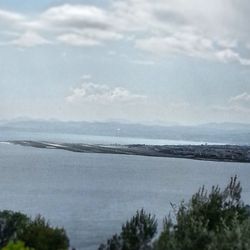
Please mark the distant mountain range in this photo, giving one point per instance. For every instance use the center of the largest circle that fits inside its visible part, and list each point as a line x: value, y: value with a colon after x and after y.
x: 231, y: 133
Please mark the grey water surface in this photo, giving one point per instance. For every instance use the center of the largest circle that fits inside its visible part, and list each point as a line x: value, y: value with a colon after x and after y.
x: 91, y: 195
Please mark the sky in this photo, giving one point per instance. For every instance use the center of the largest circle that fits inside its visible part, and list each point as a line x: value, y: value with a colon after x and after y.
x: 139, y: 61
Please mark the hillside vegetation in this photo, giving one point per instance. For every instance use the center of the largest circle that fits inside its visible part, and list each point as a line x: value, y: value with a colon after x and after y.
x: 215, y: 220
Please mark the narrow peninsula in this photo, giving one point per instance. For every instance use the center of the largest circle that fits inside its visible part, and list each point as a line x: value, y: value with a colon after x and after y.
x: 229, y: 153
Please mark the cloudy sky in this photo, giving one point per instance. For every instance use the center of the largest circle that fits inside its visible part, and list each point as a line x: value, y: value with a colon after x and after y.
x: 144, y: 61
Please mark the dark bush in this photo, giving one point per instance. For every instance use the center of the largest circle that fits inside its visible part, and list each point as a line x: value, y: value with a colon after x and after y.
x: 136, y: 234
x: 12, y: 225
x: 215, y: 220
x: 37, y: 233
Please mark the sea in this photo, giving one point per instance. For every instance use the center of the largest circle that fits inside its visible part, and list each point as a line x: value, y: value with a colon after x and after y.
x: 92, y: 195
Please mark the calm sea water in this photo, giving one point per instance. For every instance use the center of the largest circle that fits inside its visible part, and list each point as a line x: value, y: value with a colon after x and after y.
x: 91, y: 195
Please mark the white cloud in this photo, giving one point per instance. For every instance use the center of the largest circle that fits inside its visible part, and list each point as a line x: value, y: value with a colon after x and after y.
x: 76, y: 16
x: 30, y: 39
x: 92, y: 92
x: 87, y: 38
x: 10, y: 17
x: 229, y: 55
x: 75, y: 25
x: 241, y: 99
x: 214, y: 18
x: 236, y: 109
x: 79, y: 25
x: 204, y: 29
x: 188, y: 44
x: 211, y: 30
x: 191, y: 45
x: 77, y: 40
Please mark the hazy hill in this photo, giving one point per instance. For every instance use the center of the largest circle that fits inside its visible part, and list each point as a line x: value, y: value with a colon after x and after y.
x: 213, y: 132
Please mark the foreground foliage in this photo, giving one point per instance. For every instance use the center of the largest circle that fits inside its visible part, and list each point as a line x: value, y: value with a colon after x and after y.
x: 136, y: 234
x: 215, y: 220
x: 37, y: 234
x: 19, y: 245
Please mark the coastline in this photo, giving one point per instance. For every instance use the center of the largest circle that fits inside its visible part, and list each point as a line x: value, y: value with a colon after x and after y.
x: 221, y: 153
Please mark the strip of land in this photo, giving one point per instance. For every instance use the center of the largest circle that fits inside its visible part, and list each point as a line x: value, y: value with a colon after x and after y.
x: 229, y: 153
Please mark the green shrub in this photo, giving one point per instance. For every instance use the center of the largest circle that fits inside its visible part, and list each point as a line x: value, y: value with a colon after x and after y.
x: 16, y: 246
x: 217, y: 220
x: 136, y: 234
x: 37, y: 233
x: 40, y: 235
x: 11, y: 225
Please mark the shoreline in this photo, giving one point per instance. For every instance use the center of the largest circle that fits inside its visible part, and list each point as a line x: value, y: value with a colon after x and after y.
x: 219, y: 153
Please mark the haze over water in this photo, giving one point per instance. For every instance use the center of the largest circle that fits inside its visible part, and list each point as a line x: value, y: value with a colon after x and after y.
x: 92, y: 139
